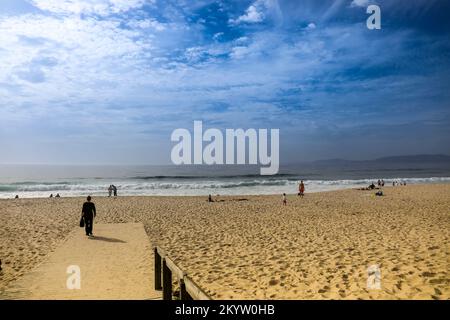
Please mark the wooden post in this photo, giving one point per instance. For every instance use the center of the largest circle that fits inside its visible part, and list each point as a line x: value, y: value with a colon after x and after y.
x: 167, y: 281
x: 184, y: 295
x: 157, y: 270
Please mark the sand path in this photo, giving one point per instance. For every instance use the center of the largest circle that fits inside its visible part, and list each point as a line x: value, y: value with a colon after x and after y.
x: 115, y: 264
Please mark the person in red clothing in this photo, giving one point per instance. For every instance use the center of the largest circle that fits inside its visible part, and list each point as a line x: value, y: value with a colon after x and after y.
x: 301, y: 189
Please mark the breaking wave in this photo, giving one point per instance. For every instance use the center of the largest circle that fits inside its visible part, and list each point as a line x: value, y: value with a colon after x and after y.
x: 176, y: 185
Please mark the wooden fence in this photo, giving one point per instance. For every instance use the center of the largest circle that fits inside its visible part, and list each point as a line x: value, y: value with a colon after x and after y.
x: 165, y: 269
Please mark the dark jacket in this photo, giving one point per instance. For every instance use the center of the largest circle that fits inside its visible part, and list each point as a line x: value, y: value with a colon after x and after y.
x: 88, y: 211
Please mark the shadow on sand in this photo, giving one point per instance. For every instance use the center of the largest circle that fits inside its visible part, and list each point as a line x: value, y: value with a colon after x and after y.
x: 106, y: 239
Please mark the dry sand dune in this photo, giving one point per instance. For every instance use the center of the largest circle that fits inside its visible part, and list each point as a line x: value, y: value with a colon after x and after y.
x: 316, y: 247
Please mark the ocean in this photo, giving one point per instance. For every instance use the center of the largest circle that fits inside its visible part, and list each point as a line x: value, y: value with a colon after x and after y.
x: 33, y: 181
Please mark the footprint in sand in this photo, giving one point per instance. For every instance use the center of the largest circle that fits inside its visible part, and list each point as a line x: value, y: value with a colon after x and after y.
x: 324, y: 289
x: 439, y: 281
x: 273, y: 282
x: 428, y: 274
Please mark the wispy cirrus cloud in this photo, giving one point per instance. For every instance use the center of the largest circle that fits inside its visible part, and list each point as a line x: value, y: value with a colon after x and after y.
x: 118, y: 73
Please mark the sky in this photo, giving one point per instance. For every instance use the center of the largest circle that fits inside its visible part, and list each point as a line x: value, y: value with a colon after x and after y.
x: 107, y: 81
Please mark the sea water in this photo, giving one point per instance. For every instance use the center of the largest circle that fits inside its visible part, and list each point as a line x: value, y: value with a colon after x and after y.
x: 31, y: 181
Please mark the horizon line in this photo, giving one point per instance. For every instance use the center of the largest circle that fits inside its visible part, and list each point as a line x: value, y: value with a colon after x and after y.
x: 174, y: 165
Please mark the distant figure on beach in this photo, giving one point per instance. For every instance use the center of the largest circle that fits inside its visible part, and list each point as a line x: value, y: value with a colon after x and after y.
x: 16, y: 197
x: 382, y: 182
x: 110, y: 189
x: 284, y: 199
x: 301, y: 189
x: 370, y: 187
x: 51, y: 195
x: 114, y: 190
x: 57, y: 196
x: 379, y: 183
x: 210, y: 199
x: 88, y: 213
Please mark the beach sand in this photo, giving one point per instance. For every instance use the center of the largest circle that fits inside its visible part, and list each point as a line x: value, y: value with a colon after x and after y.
x: 253, y: 247
x: 117, y: 265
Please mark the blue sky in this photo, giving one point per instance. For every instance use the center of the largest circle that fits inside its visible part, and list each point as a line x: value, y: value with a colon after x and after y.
x: 107, y: 81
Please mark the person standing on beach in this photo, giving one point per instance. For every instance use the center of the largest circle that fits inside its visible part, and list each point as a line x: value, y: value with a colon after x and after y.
x: 301, y: 189
x: 88, y: 213
x: 284, y: 199
x: 110, y: 190
x: 114, y: 190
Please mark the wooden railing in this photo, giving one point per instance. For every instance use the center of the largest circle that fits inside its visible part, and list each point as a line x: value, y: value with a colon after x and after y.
x: 165, y: 268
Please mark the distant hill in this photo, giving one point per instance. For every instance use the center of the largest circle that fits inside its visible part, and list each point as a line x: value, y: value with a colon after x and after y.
x: 419, y: 158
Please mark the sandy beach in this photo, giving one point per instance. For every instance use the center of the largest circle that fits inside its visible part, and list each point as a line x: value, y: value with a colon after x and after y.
x: 253, y: 247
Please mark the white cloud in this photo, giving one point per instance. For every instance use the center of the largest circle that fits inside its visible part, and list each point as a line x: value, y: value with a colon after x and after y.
x: 54, y: 62
x: 122, y: 76
x: 259, y: 11
x: 311, y: 26
x: 100, y: 7
x: 252, y: 49
x: 239, y: 52
x: 253, y: 14
x: 194, y: 54
x: 359, y: 3
x: 147, y: 24
x: 217, y: 35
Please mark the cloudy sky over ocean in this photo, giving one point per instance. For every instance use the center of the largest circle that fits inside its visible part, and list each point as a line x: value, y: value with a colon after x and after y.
x: 107, y: 81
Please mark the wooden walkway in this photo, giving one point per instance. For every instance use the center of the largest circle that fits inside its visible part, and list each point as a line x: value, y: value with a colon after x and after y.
x: 117, y: 263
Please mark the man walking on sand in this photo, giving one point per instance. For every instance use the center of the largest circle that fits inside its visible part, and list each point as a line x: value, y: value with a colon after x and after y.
x: 88, y: 214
